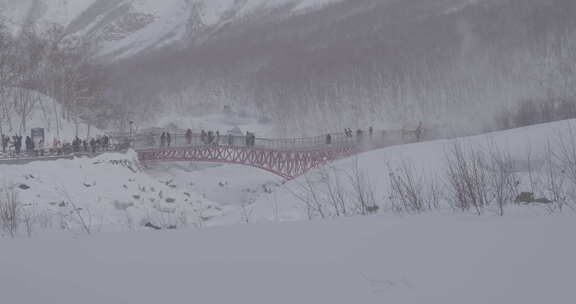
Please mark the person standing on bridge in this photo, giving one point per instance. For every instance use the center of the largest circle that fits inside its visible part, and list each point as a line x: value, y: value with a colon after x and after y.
x: 250, y: 139
x: 5, y: 143
x: 17, y: 142
x: 106, y: 142
x: 28, y: 143
x: 40, y: 150
x: 209, y: 138
x: 328, y: 139
x: 203, y: 137
x: 163, y: 139
x: 348, y: 132
x: 419, y: 132
x: 76, y: 145
x: 247, y: 139
x: 168, y: 139
x: 93, y: 145
x: 359, y: 135
x: 188, y: 137
x: 32, y: 146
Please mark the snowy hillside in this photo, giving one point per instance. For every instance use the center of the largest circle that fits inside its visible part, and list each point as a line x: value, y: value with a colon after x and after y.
x: 531, y: 154
x: 111, y: 192
x: 42, y: 13
x: 128, y: 27
x: 443, y: 256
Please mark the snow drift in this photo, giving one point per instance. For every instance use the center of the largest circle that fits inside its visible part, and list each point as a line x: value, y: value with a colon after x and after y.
x: 109, y: 192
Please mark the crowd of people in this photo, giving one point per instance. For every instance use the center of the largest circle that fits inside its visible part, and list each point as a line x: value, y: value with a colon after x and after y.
x: 349, y: 133
x: 417, y: 133
x: 13, y: 145
x: 208, y: 138
x: 77, y: 145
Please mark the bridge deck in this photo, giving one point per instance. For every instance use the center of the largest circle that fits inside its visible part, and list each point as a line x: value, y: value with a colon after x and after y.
x: 288, y: 158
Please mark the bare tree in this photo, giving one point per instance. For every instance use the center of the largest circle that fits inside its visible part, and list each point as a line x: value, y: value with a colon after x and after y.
x: 7, y: 73
x: 24, y: 104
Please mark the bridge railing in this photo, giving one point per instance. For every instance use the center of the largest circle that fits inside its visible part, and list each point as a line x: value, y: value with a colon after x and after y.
x: 62, y: 151
x: 150, y: 141
x: 374, y: 139
x: 121, y: 142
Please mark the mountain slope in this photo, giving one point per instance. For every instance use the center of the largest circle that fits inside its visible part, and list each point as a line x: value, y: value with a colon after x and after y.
x: 313, y: 66
x: 470, y: 63
x: 128, y: 27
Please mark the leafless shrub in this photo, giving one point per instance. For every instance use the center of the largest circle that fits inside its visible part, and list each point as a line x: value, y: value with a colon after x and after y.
x: 309, y: 193
x: 503, y: 180
x: 9, y: 211
x: 435, y: 193
x: 467, y: 179
x: 29, y: 220
x: 325, y: 194
x: 335, y: 193
x: 76, y: 214
x: 129, y: 220
x: 45, y: 220
x: 246, y: 212
x: 362, y: 190
x: 563, y: 165
x: 406, y: 190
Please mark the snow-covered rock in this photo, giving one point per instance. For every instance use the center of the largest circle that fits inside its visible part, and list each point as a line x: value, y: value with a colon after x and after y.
x: 110, y: 192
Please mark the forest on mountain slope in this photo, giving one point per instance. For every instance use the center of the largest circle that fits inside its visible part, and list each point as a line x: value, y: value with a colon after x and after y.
x: 471, y: 66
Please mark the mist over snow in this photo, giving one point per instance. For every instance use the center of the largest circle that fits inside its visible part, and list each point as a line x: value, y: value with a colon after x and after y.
x: 287, y: 151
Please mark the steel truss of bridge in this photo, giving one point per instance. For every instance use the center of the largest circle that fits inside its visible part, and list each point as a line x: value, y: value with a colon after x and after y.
x: 288, y: 158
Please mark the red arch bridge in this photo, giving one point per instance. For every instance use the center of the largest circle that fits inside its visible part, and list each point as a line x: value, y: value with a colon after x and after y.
x: 288, y: 158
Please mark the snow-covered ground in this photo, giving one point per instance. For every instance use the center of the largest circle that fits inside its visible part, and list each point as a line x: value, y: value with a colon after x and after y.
x: 421, y: 259
x: 440, y: 256
x: 244, y: 194
x: 427, y: 161
x: 110, y: 191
